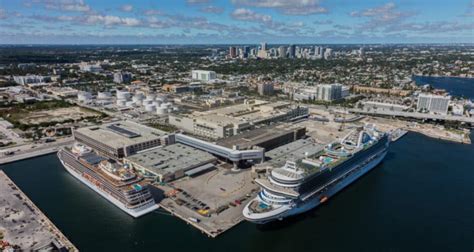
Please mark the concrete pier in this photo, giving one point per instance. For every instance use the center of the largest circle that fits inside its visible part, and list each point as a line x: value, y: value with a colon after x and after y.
x: 26, y: 151
x: 23, y: 225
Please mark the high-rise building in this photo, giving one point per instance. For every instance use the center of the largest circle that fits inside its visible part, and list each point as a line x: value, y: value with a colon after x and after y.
x: 327, y: 53
x: 433, y: 103
x: 265, y: 88
x: 329, y: 92
x: 282, y: 52
x: 264, y: 46
x: 292, y: 51
x: 318, y: 51
x: 122, y: 77
x: 232, y: 52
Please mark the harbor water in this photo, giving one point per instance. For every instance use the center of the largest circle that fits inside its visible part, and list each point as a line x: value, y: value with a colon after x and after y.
x: 457, y: 86
x: 420, y: 198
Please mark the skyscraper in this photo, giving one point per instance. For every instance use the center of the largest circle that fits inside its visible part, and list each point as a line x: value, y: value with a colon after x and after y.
x: 264, y: 46
x: 282, y: 52
x: 232, y: 51
x: 292, y: 51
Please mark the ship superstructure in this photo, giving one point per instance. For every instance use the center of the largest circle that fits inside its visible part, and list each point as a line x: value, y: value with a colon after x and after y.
x: 112, y: 180
x: 301, y: 185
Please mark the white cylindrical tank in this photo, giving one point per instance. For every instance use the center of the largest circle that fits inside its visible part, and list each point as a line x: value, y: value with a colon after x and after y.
x: 121, y: 102
x: 84, y: 96
x: 161, y: 98
x: 123, y: 95
x: 161, y: 111
x: 104, y: 95
x: 166, y: 105
x: 138, y: 98
x: 150, y: 107
x: 151, y: 96
x: 147, y: 102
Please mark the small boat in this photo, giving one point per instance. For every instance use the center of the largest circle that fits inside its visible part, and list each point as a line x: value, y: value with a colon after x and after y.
x: 323, y: 199
x: 195, y: 220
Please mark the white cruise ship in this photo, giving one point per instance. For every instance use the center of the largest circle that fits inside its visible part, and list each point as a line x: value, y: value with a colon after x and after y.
x: 116, y: 183
x: 304, y: 184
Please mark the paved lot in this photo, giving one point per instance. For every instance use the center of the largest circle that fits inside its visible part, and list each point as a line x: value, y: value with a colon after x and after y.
x: 222, y: 193
x: 22, y: 223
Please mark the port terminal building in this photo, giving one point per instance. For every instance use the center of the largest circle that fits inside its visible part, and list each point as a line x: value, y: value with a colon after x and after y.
x: 233, y: 120
x: 121, y: 138
x: 171, y: 162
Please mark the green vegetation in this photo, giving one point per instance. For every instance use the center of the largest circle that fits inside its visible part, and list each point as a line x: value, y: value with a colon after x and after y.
x: 15, y: 112
x: 163, y: 127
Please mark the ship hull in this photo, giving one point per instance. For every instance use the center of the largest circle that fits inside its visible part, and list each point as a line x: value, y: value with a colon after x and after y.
x: 137, y: 212
x: 314, y: 202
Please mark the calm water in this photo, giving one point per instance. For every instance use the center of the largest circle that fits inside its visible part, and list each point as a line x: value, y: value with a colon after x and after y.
x: 421, y: 198
x: 463, y: 87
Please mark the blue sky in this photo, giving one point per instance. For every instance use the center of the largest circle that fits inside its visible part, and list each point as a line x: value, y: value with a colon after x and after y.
x: 235, y: 21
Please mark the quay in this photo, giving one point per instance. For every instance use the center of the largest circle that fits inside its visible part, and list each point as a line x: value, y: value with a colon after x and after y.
x: 27, y: 152
x: 23, y: 226
x: 224, y: 192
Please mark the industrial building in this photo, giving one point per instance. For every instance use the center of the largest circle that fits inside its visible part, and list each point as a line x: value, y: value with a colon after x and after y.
x: 31, y: 79
x: 268, y: 137
x: 171, y: 162
x: 233, y: 120
x: 121, y: 139
x: 202, y: 75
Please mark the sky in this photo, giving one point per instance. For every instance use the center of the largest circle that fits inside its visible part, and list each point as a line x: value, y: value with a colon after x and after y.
x: 235, y: 21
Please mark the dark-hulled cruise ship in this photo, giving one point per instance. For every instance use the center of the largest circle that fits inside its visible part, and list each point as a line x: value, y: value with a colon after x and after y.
x: 304, y: 184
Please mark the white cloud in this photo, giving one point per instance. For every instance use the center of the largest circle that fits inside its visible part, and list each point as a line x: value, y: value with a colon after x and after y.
x: 64, y: 5
x: 212, y: 9
x: 126, y: 7
x: 3, y: 14
x: 110, y: 20
x: 197, y: 1
x: 249, y: 15
x: 384, y: 13
x: 289, y: 7
x: 152, y: 12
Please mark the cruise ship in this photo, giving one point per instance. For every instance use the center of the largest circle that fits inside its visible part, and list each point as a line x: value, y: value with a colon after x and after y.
x: 110, y: 179
x: 304, y: 184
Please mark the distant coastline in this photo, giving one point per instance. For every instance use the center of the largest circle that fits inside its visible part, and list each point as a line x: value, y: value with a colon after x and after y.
x: 441, y: 76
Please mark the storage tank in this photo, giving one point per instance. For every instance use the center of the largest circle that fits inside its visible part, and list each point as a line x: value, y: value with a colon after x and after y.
x: 137, y: 98
x: 147, y: 102
x: 123, y: 95
x: 104, y: 95
x: 129, y: 104
x: 151, y: 96
x: 84, y: 96
x: 166, y: 105
x: 121, y: 102
x: 150, y: 108
x: 161, y: 111
x: 161, y: 98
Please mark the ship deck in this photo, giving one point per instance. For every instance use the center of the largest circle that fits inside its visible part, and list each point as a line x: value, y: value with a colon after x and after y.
x: 265, y: 183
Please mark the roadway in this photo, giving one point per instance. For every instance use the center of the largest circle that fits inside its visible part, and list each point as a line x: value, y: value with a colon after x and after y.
x: 33, y: 150
x: 415, y: 115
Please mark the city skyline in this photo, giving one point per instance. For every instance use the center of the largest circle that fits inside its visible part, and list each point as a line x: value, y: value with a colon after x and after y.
x: 234, y: 22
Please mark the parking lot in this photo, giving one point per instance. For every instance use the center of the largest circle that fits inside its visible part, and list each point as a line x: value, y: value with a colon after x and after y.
x: 212, y: 202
